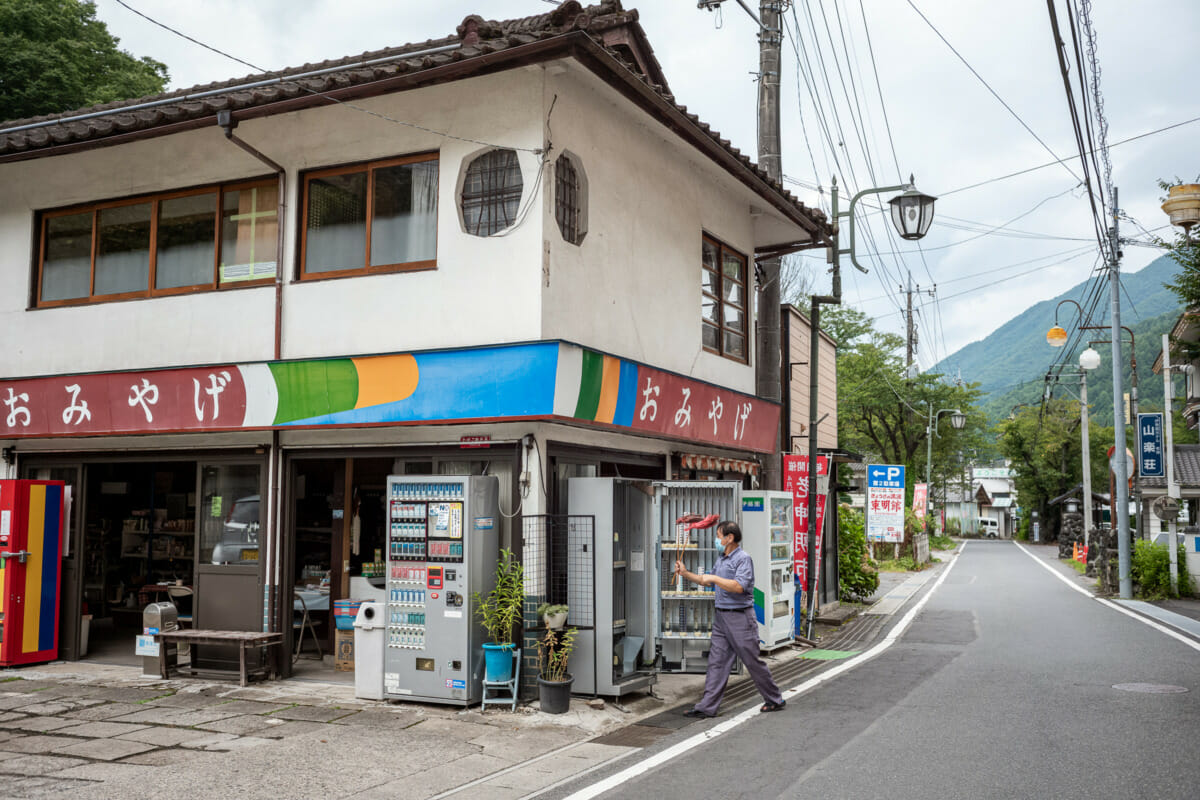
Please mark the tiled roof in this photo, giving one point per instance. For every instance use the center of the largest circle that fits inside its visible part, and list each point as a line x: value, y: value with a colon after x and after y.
x: 479, y: 45
x: 1187, y: 469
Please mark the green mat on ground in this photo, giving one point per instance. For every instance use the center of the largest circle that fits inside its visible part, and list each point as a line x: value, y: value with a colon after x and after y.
x: 829, y: 655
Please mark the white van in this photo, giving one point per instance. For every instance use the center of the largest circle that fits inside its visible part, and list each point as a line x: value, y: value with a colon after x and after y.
x: 988, y: 528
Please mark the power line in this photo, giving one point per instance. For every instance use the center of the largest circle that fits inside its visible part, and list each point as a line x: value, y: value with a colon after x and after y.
x: 993, y: 91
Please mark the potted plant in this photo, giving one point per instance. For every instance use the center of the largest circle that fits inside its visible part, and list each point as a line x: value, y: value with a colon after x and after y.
x: 553, y: 614
x: 554, y: 682
x: 500, y: 612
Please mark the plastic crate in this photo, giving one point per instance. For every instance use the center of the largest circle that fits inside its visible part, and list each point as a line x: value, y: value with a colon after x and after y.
x: 344, y: 612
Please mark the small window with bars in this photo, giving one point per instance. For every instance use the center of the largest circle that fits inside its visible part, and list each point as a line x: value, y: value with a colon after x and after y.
x: 570, y: 198
x: 491, y: 193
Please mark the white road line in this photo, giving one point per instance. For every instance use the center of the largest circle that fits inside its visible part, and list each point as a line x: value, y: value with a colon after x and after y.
x: 1145, y: 620
x: 615, y: 780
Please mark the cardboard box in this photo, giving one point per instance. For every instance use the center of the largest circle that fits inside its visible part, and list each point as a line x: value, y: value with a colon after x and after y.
x: 343, y: 651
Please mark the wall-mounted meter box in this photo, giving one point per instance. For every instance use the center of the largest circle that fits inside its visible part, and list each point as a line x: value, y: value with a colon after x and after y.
x: 767, y: 536
x: 443, y: 544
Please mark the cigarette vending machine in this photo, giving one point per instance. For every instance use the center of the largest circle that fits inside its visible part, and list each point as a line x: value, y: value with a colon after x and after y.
x: 443, y: 544
x: 767, y: 537
x: 31, y: 537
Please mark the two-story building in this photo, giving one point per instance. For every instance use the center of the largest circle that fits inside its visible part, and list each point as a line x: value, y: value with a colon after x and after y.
x: 230, y: 311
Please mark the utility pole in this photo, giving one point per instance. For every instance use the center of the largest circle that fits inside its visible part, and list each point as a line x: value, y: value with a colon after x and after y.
x: 768, y: 380
x: 910, y: 329
x: 1119, y: 466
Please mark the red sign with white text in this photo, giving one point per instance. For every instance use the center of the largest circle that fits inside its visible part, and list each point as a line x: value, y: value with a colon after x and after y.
x: 125, y: 402
x: 675, y: 406
x: 795, y: 480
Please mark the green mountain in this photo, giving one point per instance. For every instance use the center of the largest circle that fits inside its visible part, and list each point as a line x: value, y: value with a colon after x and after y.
x: 1011, y: 363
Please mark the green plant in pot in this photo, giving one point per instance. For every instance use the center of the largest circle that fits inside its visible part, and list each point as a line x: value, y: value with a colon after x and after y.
x: 554, y: 682
x: 553, y: 614
x: 500, y: 614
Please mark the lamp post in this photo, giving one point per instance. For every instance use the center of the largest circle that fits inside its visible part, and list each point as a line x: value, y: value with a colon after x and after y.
x: 1088, y: 359
x: 912, y: 214
x: 1133, y: 415
x: 957, y: 420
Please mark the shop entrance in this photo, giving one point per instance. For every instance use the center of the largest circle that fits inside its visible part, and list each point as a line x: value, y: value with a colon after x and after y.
x: 143, y: 531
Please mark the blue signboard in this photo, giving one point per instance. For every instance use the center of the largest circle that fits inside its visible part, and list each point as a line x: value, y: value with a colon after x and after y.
x: 1150, y: 446
x: 885, y: 476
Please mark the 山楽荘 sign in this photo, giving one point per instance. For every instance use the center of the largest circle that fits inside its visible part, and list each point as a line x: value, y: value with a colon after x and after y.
x: 1150, y: 446
x: 885, y: 502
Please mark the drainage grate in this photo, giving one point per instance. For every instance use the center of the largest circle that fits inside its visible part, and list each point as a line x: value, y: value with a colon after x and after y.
x: 633, y: 736
x: 1149, y: 688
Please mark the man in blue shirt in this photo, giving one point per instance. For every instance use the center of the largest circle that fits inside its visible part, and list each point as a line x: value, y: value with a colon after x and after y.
x: 735, y: 630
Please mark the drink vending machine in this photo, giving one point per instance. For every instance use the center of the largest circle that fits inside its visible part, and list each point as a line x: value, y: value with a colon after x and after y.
x: 767, y: 536
x: 32, y: 521
x: 443, y: 544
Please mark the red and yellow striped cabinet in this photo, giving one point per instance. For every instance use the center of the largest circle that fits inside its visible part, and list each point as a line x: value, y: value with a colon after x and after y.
x: 31, y: 546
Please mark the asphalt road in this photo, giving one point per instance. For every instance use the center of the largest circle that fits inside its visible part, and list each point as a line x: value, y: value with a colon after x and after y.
x: 1002, y: 686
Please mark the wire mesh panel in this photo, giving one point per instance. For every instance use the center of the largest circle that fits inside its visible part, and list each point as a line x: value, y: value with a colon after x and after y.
x: 559, y: 557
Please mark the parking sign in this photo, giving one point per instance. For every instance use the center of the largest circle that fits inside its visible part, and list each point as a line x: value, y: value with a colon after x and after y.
x: 885, y: 502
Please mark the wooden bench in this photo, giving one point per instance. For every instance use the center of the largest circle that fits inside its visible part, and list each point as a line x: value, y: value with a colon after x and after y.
x: 243, y: 640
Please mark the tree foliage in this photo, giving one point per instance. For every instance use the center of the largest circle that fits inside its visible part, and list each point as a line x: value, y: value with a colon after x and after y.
x: 883, y: 414
x: 55, y: 56
x: 1045, y: 447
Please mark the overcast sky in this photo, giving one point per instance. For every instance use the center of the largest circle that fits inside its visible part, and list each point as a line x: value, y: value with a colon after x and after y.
x: 946, y: 127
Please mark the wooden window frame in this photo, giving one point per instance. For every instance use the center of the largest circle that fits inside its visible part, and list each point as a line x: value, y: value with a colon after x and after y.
x: 719, y: 298
x: 219, y: 189
x: 369, y: 167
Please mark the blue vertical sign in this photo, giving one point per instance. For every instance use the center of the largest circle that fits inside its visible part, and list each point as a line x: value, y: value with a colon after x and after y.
x: 1150, y: 446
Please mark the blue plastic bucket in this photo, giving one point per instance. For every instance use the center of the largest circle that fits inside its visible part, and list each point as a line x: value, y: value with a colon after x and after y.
x: 498, y: 662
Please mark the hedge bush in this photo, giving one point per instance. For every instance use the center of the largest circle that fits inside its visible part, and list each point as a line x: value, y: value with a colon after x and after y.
x: 1151, y: 570
x: 857, y: 577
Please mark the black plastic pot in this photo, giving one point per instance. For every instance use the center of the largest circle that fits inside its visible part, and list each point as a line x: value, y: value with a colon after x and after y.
x: 555, y: 696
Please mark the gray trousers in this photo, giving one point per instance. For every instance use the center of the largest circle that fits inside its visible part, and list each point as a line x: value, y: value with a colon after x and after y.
x: 735, y: 633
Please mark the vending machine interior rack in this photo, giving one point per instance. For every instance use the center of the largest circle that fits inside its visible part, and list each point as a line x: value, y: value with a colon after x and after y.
x: 685, y: 611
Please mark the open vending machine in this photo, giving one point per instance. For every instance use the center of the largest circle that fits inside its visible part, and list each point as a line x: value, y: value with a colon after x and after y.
x: 32, y: 520
x: 767, y: 537
x: 443, y: 544
x: 684, y: 611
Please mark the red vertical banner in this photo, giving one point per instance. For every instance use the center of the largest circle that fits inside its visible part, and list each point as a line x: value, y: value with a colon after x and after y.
x: 920, y: 499
x: 795, y: 480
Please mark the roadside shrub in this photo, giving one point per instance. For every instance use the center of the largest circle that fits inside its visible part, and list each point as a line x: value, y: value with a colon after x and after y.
x: 1150, y: 569
x: 857, y: 577
x: 953, y: 528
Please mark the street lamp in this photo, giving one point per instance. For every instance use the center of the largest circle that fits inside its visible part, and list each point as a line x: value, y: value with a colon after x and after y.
x: 912, y: 214
x: 957, y: 420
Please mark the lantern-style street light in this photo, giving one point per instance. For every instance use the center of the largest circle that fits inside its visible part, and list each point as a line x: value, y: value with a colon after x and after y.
x: 957, y: 421
x: 912, y: 214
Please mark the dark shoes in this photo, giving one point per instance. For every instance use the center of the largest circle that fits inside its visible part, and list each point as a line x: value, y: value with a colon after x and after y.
x: 697, y: 714
x: 773, y: 706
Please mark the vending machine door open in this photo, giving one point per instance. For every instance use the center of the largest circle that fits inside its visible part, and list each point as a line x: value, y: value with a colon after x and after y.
x: 614, y: 656
x: 443, y: 544
x: 31, y: 538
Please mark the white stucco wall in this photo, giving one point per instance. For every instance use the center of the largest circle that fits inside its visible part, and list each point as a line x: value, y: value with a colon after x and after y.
x: 483, y: 291
x: 633, y: 287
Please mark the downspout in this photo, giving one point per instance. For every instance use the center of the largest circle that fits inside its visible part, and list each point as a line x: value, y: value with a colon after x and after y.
x: 227, y: 123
